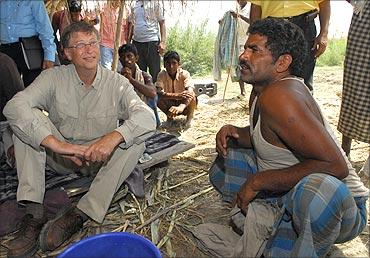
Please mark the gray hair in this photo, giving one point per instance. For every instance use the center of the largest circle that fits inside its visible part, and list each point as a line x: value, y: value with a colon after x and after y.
x: 80, y: 26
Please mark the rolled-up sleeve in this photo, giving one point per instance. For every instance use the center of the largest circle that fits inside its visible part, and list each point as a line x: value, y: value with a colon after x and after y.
x: 22, y: 110
x: 43, y: 27
x: 139, y: 121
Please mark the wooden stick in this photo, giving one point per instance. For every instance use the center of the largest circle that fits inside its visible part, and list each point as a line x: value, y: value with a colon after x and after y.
x: 118, y: 35
x: 141, y: 216
x: 170, y: 228
x: 184, y: 182
x: 159, y: 214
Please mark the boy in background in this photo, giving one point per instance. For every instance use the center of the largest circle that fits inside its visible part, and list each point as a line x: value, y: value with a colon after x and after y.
x: 142, y: 81
x: 175, y: 89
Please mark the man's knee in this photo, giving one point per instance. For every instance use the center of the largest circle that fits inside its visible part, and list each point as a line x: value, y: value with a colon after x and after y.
x: 318, y: 197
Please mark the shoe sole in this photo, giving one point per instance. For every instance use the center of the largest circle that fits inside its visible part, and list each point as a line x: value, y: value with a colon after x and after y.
x: 42, y: 238
x: 30, y: 253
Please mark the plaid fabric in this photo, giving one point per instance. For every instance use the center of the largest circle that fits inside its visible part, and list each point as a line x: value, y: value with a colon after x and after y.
x: 354, y: 118
x: 228, y: 174
x: 318, y: 212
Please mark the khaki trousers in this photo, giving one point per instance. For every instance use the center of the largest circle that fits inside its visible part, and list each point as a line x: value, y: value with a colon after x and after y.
x: 109, y: 175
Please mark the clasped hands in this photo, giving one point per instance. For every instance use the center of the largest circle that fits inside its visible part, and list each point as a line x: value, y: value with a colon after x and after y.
x: 82, y: 155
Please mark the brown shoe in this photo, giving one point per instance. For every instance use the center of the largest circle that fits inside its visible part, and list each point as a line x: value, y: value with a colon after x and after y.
x: 26, y: 243
x: 60, y: 229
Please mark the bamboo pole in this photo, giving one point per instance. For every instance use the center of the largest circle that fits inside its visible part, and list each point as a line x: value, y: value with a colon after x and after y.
x: 118, y: 35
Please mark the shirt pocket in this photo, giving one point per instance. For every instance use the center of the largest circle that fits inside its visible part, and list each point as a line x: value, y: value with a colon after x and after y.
x: 65, y: 119
x: 102, y: 121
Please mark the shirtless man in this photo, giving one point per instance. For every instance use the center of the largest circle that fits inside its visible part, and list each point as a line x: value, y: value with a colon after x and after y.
x: 302, y: 195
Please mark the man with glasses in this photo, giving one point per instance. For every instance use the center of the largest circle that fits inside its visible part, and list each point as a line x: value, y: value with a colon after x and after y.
x: 84, y: 102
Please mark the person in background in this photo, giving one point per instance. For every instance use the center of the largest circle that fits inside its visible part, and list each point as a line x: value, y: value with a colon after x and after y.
x: 108, y: 25
x: 26, y: 19
x: 84, y: 102
x: 354, y: 116
x: 63, y: 18
x: 242, y: 15
x: 303, y: 14
x: 142, y: 81
x: 10, y: 84
x: 175, y: 90
x: 148, y: 34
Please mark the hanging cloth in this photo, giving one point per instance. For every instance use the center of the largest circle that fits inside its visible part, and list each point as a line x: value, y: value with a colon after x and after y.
x: 225, y: 52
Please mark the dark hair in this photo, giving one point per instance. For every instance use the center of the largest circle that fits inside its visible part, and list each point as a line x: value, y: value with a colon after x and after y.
x: 80, y: 26
x: 283, y: 37
x: 74, y: 5
x: 127, y: 48
x: 171, y: 55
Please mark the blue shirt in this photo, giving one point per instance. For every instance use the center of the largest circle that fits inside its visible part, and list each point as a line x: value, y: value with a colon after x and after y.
x: 26, y: 18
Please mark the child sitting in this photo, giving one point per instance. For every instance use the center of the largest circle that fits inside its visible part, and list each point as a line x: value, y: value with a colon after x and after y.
x: 175, y: 89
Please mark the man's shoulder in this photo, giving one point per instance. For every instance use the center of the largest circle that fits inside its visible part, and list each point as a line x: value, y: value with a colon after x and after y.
x: 183, y: 73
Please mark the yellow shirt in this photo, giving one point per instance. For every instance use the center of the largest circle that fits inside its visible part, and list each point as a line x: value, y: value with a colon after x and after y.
x: 286, y: 8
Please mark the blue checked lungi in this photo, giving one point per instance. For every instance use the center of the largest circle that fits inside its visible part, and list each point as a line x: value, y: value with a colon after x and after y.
x: 318, y: 212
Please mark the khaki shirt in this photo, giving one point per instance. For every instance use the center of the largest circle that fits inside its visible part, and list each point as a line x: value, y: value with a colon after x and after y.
x: 182, y: 81
x: 80, y: 114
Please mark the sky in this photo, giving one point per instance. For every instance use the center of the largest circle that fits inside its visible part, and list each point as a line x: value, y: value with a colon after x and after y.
x: 198, y: 11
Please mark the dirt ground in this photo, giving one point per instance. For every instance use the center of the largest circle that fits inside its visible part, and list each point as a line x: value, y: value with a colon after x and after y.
x: 179, y: 195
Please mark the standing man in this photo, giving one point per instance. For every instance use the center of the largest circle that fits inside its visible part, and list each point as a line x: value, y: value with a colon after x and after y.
x: 108, y: 26
x: 354, y: 117
x: 148, y: 34
x: 297, y: 190
x: 85, y: 103
x: 26, y: 19
x: 242, y: 15
x: 303, y: 14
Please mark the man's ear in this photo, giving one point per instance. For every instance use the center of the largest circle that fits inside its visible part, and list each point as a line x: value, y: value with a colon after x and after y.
x: 136, y: 58
x: 68, y: 54
x: 283, y: 63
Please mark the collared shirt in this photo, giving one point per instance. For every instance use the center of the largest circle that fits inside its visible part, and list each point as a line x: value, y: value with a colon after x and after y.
x: 26, y: 18
x: 182, y: 81
x: 108, y: 25
x: 80, y: 114
x: 145, y: 16
x: 286, y: 8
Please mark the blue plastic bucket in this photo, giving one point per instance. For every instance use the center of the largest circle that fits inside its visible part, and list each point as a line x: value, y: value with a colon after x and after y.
x: 112, y: 245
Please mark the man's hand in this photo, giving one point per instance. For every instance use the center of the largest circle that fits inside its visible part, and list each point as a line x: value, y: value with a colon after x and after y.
x: 186, y: 95
x: 246, y: 194
x: 101, y: 150
x: 176, y: 110
x: 234, y: 14
x: 70, y: 151
x: 127, y: 73
x: 161, y: 47
x: 320, y: 44
x: 47, y: 64
x: 223, y: 135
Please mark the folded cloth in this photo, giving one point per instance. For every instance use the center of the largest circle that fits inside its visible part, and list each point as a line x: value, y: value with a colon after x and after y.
x: 135, y: 182
x: 222, y: 241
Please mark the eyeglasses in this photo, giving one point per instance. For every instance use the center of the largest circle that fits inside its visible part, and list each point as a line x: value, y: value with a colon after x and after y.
x: 82, y: 45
